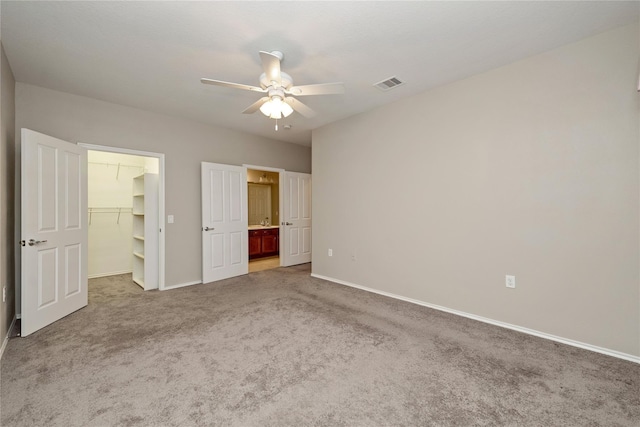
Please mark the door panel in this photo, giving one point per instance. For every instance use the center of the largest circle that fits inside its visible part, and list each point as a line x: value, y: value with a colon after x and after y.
x: 73, y: 189
x: 306, y: 240
x: 270, y: 244
x: 73, y: 269
x: 217, y: 250
x: 297, y: 218
x: 224, y: 222
x: 236, y: 247
x: 54, y: 230
x: 47, y: 284
x: 255, y: 244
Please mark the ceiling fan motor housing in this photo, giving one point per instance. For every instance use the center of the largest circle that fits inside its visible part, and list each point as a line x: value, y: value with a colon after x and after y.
x: 285, y: 79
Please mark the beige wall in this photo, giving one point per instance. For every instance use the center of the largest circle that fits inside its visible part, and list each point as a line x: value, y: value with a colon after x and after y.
x: 7, y: 153
x: 184, y: 143
x: 531, y: 169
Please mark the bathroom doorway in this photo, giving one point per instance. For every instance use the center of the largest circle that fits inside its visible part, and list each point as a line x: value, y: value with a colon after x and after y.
x: 263, y: 204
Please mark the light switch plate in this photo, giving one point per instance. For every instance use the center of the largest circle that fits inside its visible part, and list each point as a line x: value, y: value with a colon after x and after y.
x: 170, y: 219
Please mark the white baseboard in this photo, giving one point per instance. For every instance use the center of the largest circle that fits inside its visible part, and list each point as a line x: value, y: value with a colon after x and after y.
x: 585, y: 346
x: 182, y: 285
x: 113, y: 273
x: 6, y: 339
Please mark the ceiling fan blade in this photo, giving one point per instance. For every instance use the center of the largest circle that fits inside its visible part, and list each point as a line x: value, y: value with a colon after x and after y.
x: 232, y: 85
x: 300, y: 107
x: 318, y: 89
x: 271, y: 66
x: 256, y: 105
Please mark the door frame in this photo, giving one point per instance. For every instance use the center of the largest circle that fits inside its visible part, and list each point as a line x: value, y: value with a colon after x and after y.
x: 161, y: 220
x: 280, y: 201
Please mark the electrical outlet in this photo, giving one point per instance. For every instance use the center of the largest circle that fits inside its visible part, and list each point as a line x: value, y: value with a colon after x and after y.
x: 330, y: 252
x: 510, y: 281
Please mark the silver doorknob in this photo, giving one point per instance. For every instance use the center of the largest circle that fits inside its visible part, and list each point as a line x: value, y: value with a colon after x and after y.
x: 288, y: 223
x: 208, y: 229
x: 36, y: 242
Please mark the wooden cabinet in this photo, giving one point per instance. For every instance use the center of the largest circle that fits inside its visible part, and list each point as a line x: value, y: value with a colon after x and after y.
x: 255, y: 243
x: 263, y: 243
x: 270, y: 243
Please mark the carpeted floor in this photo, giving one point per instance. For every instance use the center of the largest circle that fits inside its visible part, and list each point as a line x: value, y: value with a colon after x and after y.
x: 279, y: 348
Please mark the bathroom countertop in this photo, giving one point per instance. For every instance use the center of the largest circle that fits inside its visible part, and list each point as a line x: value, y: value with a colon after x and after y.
x: 262, y: 227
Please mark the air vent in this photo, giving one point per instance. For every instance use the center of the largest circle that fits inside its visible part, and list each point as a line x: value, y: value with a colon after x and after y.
x: 389, y: 83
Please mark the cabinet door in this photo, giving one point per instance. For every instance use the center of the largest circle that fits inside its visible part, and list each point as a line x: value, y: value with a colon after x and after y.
x: 255, y: 244
x: 270, y: 244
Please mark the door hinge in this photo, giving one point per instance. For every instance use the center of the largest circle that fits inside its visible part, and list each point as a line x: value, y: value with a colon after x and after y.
x: 22, y: 242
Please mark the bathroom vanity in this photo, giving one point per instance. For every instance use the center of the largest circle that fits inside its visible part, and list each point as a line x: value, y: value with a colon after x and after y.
x: 263, y: 241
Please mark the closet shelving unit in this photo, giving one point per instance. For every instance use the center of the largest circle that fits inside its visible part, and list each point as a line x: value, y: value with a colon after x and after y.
x: 145, y: 231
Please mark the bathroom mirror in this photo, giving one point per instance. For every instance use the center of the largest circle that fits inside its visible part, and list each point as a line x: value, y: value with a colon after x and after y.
x: 262, y: 195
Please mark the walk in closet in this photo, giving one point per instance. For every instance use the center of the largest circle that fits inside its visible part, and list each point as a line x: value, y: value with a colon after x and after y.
x: 123, y: 209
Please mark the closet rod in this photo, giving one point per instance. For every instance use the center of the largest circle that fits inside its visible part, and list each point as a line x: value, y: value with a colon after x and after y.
x: 119, y: 165
x: 109, y: 210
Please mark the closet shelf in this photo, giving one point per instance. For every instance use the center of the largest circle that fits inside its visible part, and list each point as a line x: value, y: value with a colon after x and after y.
x: 145, y: 230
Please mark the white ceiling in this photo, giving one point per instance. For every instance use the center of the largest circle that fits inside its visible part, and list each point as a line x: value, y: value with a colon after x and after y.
x: 151, y: 55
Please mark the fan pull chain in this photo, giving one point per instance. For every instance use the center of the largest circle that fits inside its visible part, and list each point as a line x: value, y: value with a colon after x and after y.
x: 276, y: 124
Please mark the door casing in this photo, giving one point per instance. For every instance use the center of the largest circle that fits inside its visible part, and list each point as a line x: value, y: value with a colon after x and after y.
x: 280, y: 194
x: 161, y: 217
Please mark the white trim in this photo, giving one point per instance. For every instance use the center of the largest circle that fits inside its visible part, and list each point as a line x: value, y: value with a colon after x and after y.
x: 114, y: 273
x: 182, y: 285
x: 120, y: 150
x: 6, y: 339
x: 161, y: 187
x: 263, y: 168
x: 585, y: 346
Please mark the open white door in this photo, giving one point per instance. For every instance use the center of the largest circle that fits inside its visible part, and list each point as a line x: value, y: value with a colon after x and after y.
x: 54, y: 230
x: 296, y: 219
x: 225, y: 236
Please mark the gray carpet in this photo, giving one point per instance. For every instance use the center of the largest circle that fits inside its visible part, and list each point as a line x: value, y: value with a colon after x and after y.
x: 279, y: 348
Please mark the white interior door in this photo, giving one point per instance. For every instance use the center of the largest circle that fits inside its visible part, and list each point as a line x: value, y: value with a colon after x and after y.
x: 296, y: 220
x: 224, y: 222
x: 54, y: 230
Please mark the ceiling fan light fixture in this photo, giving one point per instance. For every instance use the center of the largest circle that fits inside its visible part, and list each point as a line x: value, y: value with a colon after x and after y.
x: 275, y: 108
x: 286, y: 109
x: 266, y: 108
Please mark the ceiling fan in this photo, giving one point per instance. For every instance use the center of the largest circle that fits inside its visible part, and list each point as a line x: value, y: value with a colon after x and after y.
x: 278, y: 85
